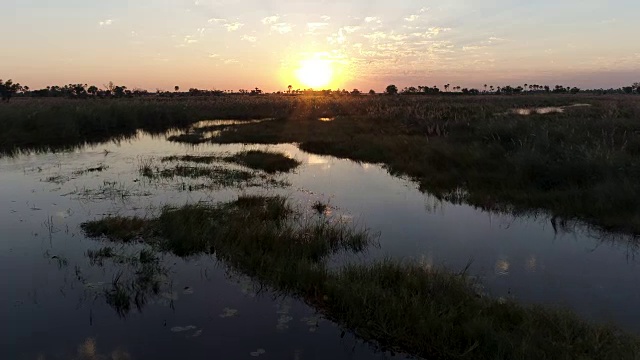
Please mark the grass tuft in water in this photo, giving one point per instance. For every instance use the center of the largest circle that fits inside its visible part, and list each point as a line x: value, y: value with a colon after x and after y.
x: 320, y: 207
x: 205, y: 159
x: 117, y: 228
x: 402, y: 307
x: 267, y: 161
x: 189, y: 138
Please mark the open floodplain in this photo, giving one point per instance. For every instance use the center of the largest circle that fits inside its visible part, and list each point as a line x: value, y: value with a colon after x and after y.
x: 314, y: 227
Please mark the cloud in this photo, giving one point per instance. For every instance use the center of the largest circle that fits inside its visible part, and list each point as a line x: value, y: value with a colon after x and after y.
x: 216, y: 21
x: 338, y: 38
x: 249, y: 38
x: 316, y: 26
x: 412, y: 18
x: 473, y: 48
x: 351, y: 29
x: 435, y: 31
x: 325, y: 18
x: 424, y: 10
x: 106, y: 22
x: 213, y: 56
x: 270, y: 20
x: 370, y: 19
x: 233, y: 26
x: 282, y: 28
x: 189, y: 40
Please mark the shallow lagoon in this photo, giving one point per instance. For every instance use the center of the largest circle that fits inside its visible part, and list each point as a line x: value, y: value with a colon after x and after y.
x: 54, y: 307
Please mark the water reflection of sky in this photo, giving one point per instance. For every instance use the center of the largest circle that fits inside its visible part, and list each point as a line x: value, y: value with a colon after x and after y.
x: 46, y: 310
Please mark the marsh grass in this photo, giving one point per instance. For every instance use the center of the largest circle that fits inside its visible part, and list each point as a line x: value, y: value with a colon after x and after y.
x: 117, y: 228
x: 56, y: 124
x: 99, y: 168
x: 189, y: 138
x: 402, y: 307
x: 267, y: 161
x: 217, y: 175
x: 141, y: 275
x: 320, y: 207
x: 204, y: 159
x: 109, y: 190
x: 437, y: 315
x: 578, y: 164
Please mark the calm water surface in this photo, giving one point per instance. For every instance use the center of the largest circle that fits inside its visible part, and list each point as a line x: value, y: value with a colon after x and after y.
x: 53, y: 304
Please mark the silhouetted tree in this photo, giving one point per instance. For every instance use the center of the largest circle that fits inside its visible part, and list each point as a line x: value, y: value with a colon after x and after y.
x: 391, y: 90
x: 410, y: 90
x: 176, y: 88
x: 7, y: 89
x: 289, y: 87
x: 93, y: 90
x: 119, y: 91
x: 372, y: 92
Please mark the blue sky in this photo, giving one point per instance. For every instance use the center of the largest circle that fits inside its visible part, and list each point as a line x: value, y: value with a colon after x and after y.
x: 226, y: 44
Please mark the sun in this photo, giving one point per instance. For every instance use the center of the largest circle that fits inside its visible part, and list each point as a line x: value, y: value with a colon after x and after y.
x: 315, y: 73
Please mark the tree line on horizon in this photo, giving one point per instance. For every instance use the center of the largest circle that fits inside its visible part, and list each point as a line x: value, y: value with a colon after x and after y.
x: 8, y: 89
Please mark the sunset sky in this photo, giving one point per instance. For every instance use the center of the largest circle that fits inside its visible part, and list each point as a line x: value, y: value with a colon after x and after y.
x: 360, y: 44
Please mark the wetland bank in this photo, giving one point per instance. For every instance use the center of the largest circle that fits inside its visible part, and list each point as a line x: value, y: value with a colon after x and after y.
x: 386, y: 275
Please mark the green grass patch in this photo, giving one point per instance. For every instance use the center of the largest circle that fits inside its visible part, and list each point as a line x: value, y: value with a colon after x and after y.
x: 400, y: 306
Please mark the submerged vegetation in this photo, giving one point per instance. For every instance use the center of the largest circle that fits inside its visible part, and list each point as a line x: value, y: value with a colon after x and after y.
x: 401, y: 306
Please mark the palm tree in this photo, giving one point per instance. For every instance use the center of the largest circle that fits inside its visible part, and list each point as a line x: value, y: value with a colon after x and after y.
x: 289, y: 87
x: 446, y: 87
x: 525, y: 86
x: 485, y: 87
x: 176, y: 88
